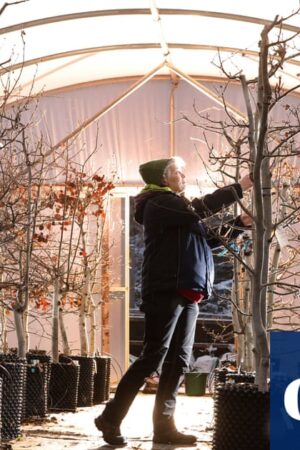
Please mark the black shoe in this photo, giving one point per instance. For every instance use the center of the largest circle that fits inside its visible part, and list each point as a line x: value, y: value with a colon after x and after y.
x: 111, y: 433
x: 174, y: 437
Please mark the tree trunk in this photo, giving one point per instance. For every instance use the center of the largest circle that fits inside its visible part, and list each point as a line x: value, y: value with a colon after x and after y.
x: 63, y: 333
x: 26, y: 329
x: 3, y: 330
x: 267, y: 214
x: 18, y: 316
x: 262, y: 180
x: 3, y: 321
x: 272, y: 279
x: 258, y: 320
x: 237, y: 319
x: 55, y: 321
x: 249, y: 345
x: 84, y: 350
x: 93, y: 326
x: 105, y: 331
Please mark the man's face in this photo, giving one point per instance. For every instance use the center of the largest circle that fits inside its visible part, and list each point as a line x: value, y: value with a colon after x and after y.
x: 175, y: 179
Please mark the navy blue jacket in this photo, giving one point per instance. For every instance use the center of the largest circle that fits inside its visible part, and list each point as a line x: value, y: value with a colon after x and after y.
x: 177, y: 245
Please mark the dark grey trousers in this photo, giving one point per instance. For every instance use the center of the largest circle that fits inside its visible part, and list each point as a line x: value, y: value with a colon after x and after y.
x: 170, y: 323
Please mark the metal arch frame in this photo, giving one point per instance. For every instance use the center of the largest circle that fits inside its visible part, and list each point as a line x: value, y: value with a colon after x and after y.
x: 136, y: 86
x: 109, y: 48
x: 142, y: 11
x: 110, y: 106
x: 149, y: 46
x: 156, y: 14
x: 206, y: 91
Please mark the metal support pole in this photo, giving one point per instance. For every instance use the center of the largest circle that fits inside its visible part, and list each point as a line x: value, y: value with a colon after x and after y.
x: 172, y: 116
x: 110, y: 106
x: 206, y: 91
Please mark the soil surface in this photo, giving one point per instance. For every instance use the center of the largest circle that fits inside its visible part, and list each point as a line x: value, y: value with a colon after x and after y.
x: 77, y: 431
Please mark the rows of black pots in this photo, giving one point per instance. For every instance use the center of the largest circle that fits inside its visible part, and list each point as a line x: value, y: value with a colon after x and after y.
x: 32, y: 387
x: 241, y: 412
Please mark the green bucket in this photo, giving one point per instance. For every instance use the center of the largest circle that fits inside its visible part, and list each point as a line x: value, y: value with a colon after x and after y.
x: 195, y: 383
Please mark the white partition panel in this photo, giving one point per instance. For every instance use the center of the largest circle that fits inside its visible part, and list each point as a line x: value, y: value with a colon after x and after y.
x: 119, y: 283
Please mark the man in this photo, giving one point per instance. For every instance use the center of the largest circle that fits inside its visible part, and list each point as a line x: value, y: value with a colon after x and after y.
x: 177, y: 274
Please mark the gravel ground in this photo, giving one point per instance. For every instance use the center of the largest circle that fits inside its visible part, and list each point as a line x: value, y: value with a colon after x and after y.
x: 77, y: 430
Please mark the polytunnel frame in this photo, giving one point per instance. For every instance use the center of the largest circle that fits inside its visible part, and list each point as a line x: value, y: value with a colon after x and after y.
x: 174, y: 73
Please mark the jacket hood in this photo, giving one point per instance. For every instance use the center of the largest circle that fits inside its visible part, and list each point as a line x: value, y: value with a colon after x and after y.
x: 140, y: 203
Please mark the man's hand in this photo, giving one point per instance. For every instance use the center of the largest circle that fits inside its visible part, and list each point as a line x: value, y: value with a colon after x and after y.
x: 246, y: 182
x: 246, y: 220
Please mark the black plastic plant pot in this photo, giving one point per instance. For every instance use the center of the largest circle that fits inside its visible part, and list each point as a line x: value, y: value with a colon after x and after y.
x: 36, y: 390
x: 246, y: 377
x: 13, y: 375
x: 11, y: 356
x: 241, y: 418
x: 86, y: 378
x: 220, y: 375
x: 40, y: 356
x: 63, y: 389
x: 102, y: 379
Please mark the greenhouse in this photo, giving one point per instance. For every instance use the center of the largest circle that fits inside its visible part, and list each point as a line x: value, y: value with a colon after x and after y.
x: 92, y: 93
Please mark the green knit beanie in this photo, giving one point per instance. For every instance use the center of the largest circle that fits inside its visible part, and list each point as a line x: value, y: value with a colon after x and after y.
x: 152, y: 171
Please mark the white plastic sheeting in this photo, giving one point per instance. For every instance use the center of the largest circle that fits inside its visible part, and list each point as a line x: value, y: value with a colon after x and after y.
x: 80, y: 41
x: 138, y: 129
x: 85, y: 54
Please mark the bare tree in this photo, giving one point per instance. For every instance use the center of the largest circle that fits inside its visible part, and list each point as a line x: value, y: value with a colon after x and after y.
x: 22, y: 200
x: 266, y: 148
x: 71, y: 229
